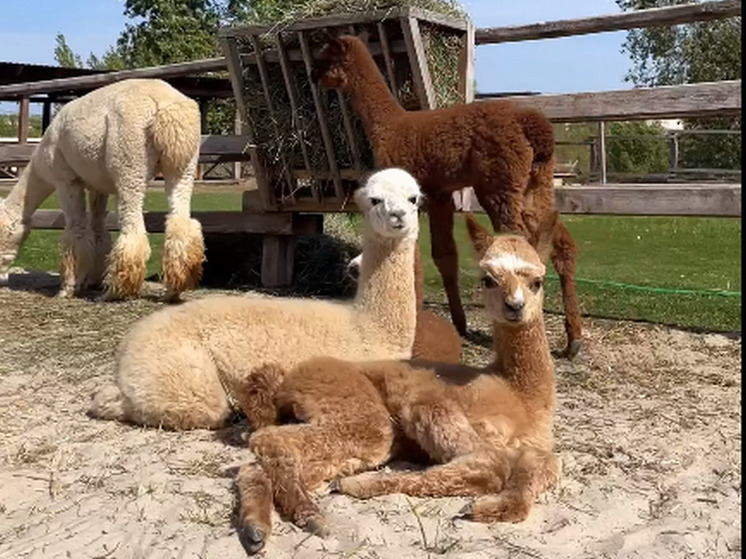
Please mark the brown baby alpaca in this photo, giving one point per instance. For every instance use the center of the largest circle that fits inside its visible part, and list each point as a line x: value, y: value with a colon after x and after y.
x: 489, y: 431
x: 503, y: 150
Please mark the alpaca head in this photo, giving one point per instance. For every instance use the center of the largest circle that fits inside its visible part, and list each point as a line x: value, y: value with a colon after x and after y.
x: 333, y: 61
x: 512, y: 275
x: 12, y: 233
x: 390, y: 200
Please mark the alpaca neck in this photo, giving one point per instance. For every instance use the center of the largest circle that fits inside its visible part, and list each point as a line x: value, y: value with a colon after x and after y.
x: 522, y: 358
x: 28, y: 193
x: 370, y: 97
x: 386, y: 287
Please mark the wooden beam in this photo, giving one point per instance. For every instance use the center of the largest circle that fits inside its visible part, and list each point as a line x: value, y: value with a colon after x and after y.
x: 46, y: 115
x: 673, y: 15
x: 423, y: 85
x: 264, y: 79
x: 706, y: 99
x: 466, y: 65
x: 278, y: 260
x: 345, y: 20
x: 290, y: 88
x: 98, y: 80
x: 723, y: 200
x: 15, y: 154
x: 388, y: 59
x: 275, y: 223
x: 23, y: 120
x: 213, y: 148
x: 321, y: 115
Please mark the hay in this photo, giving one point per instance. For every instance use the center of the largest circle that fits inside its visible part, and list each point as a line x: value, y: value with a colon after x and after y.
x: 282, y: 135
x: 280, y: 13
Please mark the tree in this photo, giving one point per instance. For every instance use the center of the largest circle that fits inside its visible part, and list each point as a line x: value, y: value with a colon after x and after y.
x: 637, y: 147
x: 690, y: 53
x: 64, y: 55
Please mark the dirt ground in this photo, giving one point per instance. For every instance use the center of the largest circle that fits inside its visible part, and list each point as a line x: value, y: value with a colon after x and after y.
x: 648, y: 430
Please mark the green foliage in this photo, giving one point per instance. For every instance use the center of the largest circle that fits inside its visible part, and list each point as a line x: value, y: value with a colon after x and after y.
x: 690, y: 53
x: 64, y: 55
x: 9, y: 126
x: 641, y: 147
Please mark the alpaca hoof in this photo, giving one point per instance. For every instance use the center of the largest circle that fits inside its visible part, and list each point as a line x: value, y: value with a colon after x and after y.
x: 467, y: 511
x: 252, y: 538
x: 317, y: 527
x: 4, y: 279
x: 335, y: 486
x: 573, y: 349
x: 173, y: 298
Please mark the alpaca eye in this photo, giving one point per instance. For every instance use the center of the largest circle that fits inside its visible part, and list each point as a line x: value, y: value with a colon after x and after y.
x: 488, y: 282
x: 536, y: 285
x: 375, y: 201
x: 413, y: 200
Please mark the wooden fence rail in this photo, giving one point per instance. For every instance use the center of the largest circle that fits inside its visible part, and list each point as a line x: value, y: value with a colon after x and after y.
x: 672, y: 15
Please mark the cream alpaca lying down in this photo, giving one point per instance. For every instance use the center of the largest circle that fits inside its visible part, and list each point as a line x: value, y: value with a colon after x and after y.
x: 178, y: 367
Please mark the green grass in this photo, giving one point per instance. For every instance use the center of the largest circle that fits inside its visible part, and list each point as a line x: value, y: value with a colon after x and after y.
x: 669, y: 253
x: 41, y: 249
x: 698, y: 254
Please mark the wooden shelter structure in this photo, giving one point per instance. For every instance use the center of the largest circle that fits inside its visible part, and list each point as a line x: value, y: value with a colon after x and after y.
x: 280, y: 214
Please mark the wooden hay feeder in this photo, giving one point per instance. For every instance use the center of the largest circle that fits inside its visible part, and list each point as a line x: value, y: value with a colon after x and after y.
x: 310, y: 149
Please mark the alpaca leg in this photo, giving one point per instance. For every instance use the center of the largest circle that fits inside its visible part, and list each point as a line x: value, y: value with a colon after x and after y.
x: 125, y: 272
x: 564, y: 258
x: 77, y: 241
x: 440, y: 428
x: 101, y: 237
x: 533, y: 472
x: 445, y: 255
x: 296, y: 458
x: 184, y: 248
x: 478, y: 473
x: 255, y: 512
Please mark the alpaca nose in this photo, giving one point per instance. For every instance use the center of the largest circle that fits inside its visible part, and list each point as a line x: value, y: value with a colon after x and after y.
x: 514, y: 306
x: 396, y: 217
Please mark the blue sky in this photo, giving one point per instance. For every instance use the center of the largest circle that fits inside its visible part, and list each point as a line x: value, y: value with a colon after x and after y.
x: 584, y: 63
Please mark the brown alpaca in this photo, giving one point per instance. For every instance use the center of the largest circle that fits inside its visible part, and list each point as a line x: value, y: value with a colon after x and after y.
x: 435, y: 338
x: 506, y: 152
x: 489, y: 430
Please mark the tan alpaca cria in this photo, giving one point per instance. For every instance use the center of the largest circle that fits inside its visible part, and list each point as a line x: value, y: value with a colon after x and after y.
x: 111, y: 142
x: 488, y: 430
x: 505, y: 151
x: 179, y: 367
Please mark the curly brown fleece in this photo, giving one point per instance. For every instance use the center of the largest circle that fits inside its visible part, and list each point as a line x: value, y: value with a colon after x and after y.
x: 503, y: 150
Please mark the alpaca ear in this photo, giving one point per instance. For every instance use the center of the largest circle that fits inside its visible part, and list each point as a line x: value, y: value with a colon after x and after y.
x: 480, y: 237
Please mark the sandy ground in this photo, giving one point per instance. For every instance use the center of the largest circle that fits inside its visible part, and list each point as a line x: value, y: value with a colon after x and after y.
x: 648, y: 430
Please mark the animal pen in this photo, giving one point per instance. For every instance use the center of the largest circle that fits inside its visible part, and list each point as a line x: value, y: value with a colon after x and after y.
x: 308, y: 150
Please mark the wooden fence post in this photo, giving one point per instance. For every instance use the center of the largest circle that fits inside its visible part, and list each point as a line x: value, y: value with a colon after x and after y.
x: 602, y: 149
x: 23, y: 120
x: 673, y: 153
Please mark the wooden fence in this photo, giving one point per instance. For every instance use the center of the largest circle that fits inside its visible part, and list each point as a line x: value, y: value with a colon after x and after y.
x: 695, y: 100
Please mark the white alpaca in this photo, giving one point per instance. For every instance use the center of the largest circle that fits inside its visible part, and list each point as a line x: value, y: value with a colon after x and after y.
x: 112, y: 141
x: 180, y: 366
